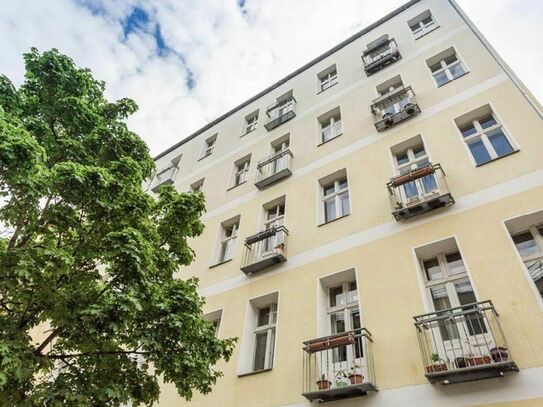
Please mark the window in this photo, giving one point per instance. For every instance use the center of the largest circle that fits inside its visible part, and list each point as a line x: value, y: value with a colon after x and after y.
x: 274, y: 217
x: 197, y: 186
x: 484, y: 135
x: 529, y: 244
x: 330, y: 125
x: 227, y: 239
x: 241, y: 170
x: 422, y: 24
x: 445, y: 67
x: 409, y: 158
x: 344, y: 315
x: 396, y: 100
x: 251, y: 123
x: 448, y: 286
x: 278, y: 147
x: 335, y: 198
x: 264, y: 333
x: 327, y: 78
x: 215, y: 319
x: 209, y: 146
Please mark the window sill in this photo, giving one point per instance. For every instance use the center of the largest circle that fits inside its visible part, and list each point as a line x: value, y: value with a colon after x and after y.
x: 237, y: 185
x: 452, y: 80
x: 498, y: 158
x: 324, y: 90
x: 205, y: 156
x: 220, y: 263
x: 327, y: 141
x: 255, y: 372
x: 333, y: 220
x: 249, y: 132
x: 425, y: 34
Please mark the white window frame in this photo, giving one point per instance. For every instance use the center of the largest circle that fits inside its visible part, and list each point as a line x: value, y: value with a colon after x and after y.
x: 328, y: 80
x: 269, y: 329
x: 419, y: 29
x: 446, y: 68
x: 209, y: 146
x: 251, y: 123
x: 225, y: 241
x: 482, y: 134
x: 336, y: 195
x: 241, y: 172
x: 529, y: 260
x: 334, y: 124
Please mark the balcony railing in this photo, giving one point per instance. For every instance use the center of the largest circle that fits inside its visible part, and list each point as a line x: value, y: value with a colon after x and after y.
x: 381, y: 55
x: 164, y: 177
x: 273, y: 169
x: 418, y: 191
x: 394, y: 107
x: 265, y: 249
x: 280, y: 113
x: 463, y: 344
x: 338, y: 366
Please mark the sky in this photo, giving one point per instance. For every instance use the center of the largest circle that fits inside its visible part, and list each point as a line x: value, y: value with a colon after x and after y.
x: 187, y: 62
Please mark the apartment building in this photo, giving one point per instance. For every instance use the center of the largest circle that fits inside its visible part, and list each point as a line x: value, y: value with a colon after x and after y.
x: 374, y: 225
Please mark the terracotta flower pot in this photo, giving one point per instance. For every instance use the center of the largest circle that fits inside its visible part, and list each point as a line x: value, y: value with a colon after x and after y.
x: 330, y: 343
x: 436, y: 368
x: 356, y: 378
x: 324, y: 384
x: 479, y: 360
x: 499, y: 354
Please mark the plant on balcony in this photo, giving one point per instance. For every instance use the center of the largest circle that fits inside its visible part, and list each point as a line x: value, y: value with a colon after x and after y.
x: 279, y: 249
x: 437, y: 366
x: 478, y: 360
x: 323, y: 383
x: 499, y: 354
x: 355, y: 374
x: 341, y: 377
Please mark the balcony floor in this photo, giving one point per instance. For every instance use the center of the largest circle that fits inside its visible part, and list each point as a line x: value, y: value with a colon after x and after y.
x: 423, y: 207
x: 263, y: 183
x: 338, y: 393
x: 264, y: 263
x: 472, y: 373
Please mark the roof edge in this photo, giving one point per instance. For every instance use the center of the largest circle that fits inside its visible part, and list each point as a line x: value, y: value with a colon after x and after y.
x: 298, y: 71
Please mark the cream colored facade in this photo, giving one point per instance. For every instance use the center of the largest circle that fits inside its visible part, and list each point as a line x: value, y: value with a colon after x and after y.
x: 388, y: 259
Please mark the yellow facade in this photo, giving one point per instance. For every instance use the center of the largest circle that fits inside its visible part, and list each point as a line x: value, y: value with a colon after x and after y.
x: 385, y: 256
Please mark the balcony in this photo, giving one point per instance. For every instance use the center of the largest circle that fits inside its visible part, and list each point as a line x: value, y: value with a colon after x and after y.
x: 163, y: 177
x: 280, y: 113
x: 338, y: 366
x: 394, y: 107
x: 380, y: 54
x: 463, y: 344
x: 418, y: 191
x: 273, y: 169
x: 265, y: 249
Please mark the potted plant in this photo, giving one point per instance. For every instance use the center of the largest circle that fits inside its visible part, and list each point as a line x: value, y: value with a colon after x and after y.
x: 478, y: 360
x: 437, y: 366
x: 355, y: 376
x: 499, y: 354
x: 323, y: 383
x: 341, y: 375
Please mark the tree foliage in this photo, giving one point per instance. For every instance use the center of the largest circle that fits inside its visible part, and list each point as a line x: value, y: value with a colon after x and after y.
x: 90, y: 310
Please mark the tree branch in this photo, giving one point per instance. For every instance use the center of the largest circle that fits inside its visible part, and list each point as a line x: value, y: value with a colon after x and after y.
x: 48, y: 340
x: 116, y: 352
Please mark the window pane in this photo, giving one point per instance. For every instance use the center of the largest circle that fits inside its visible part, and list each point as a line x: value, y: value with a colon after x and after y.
x: 353, y: 292
x: 441, y: 78
x: 457, y: 70
x: 479, y: 152
x: 345, y: 207
x: 338, y: 128
x: 329, y: 209
x: 263, y: 316
x: 419, y: 151
x: 336, y: 296
x: 402, y: 158
x: 432, y: 269
x: 343, y: 183
x: 475, y: 323
x: 328, y: 189
x: 468, y: 130
x: 427, y: 20
x: 487, y: 122
x: 326, y: 134
x: 500, y: 143
x: 450, y: 59
x: 429, y: 184
x: 355, y: 322
x: 455, y: 264
x: 410, y: 190
x: 260, y: 351
x: 338, y: 323
x: 441, y: 301
x: 526, y: 244
x: 436, y: 67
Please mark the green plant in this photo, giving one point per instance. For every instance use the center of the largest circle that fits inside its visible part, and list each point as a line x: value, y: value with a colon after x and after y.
x: 435, y: 358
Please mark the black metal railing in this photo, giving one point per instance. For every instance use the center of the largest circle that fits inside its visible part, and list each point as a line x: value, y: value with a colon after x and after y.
x: 274, y: 168
x: 166, y: 176
x: 418, y: 191
x: 338, y: 366
x: 394, y: 107
x: 463, y: 344
x: 380, y: 56
x: 265, y: 249
x: 280, y: 113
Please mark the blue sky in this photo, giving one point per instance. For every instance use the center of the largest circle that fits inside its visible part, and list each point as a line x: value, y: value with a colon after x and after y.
x: 186, y: 62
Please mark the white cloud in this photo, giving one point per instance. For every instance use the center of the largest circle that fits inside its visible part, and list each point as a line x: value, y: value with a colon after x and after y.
x: 231, y: 55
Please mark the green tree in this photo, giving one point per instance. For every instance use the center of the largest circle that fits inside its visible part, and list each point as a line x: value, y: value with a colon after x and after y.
x: 89, y: 255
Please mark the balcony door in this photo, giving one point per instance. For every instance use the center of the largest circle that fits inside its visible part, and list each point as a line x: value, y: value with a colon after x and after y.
x: 396, y: 103
x: 275, y: 217
x: 344, y: 316
x: 280, y: 162
x: 418, y: 190
x: 448, y: 286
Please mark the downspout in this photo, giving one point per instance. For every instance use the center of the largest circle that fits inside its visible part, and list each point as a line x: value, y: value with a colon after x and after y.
x: 516, y: 81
